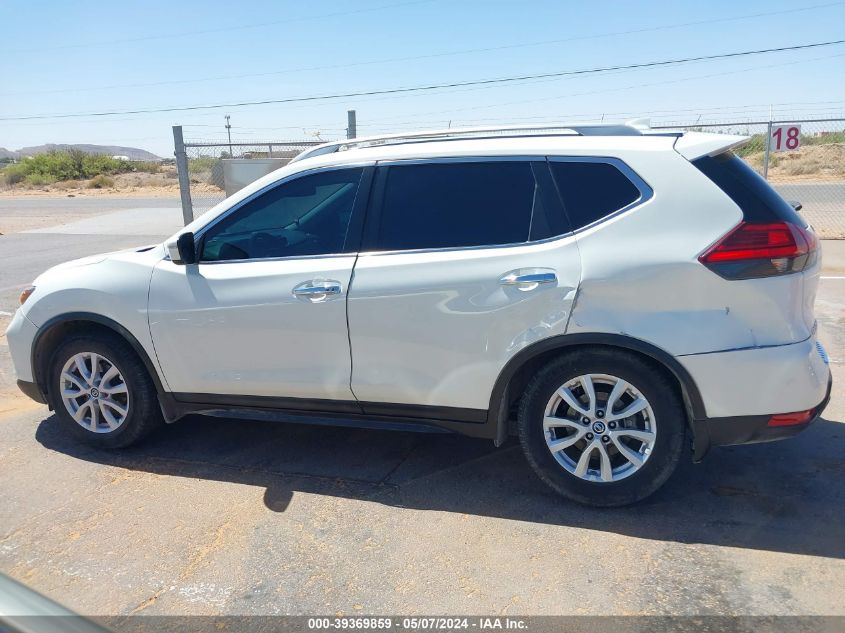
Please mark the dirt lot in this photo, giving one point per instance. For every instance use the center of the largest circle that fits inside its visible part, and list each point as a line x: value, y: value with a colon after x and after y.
x: 218, y: 516
x: 163, y: 184
x: 813, y: 163
x: 125, y: 185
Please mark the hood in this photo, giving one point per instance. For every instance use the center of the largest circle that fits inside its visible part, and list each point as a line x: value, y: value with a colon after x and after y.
x: 125, y: 254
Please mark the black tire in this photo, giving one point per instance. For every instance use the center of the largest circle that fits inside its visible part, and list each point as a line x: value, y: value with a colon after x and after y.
x: 144, y: 413
x: 650, y: 381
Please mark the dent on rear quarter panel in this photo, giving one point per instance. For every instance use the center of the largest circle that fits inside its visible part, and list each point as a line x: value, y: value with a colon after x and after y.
x: 641, y: 276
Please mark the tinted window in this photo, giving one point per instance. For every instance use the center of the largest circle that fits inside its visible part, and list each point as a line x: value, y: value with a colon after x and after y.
x: 456, y: 204
x: 306, y: 216
x: 758, y: 201
x: 592, y: 190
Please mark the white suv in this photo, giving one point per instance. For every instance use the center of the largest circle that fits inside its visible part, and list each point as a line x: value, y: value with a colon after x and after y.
x: 602, y: 292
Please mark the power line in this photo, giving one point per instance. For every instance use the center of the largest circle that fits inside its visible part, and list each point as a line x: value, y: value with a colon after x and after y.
x: 227, y: 29
x: 421, y: 57
x: 618, y: 88
x: 531, y: 83
x: 709, y: 110
x: 417, y: 123
x: 429, y: 87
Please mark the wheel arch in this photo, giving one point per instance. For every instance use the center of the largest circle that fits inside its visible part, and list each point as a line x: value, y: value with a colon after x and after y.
x: 518, y: 370
x: 54, y: 330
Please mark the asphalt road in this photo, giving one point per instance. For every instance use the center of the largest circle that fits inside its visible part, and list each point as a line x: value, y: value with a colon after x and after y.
x: 216, y: 516
x: 86, y: 205
x: 25, y: 256
x: 824, y: 205
x: 812, y: 190
x: 42, y: 232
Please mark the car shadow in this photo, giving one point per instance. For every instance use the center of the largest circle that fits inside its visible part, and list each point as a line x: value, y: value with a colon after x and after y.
x: 786, y: 496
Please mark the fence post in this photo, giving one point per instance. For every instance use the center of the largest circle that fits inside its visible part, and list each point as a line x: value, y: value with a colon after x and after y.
x: 351, y: 124
x: 182, y: 172
x: 768, y: 149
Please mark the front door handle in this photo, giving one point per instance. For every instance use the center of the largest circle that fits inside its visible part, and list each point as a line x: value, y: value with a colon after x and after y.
x: 317, y: 291
x: 529, y: 278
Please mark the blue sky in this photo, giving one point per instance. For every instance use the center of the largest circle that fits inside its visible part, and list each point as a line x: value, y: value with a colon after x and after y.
x: 69, y: 57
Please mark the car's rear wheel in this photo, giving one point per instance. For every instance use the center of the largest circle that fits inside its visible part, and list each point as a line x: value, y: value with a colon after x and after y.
x: 602, y: 427
x: 101, y: 392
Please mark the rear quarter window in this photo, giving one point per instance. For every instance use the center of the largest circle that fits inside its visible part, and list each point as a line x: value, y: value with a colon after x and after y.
x: 751, y: 193
x: 592, y: 190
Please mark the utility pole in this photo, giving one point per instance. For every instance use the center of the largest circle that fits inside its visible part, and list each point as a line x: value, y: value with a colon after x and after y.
x: 351, y: 124
x: 229, y: 132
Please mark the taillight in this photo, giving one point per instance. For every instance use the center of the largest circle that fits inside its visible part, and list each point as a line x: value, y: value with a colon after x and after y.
x: 791, y: 419
x: 753, y: 250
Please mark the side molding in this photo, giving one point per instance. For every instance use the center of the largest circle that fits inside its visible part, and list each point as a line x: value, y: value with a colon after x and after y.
x: 381, y: 415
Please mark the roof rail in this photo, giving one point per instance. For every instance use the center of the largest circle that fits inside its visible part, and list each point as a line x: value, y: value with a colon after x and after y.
x: 633, y: 128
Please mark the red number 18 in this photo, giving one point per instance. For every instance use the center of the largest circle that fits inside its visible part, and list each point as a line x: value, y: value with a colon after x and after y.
x: 791, y: 138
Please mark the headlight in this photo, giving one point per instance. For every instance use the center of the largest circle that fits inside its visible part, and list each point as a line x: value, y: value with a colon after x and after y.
x: 25, y: 293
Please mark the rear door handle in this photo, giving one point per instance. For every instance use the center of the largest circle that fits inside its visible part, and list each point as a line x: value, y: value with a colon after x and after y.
x: 317, y: 291
x: 529, y: 278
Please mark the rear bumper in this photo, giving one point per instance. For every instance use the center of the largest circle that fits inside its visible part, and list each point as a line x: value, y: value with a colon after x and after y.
x: 759, y: 381
x: 742, y: 389
x: 748, y: 429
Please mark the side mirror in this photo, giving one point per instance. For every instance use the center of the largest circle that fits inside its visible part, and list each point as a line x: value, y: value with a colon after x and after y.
x: 183, y: 250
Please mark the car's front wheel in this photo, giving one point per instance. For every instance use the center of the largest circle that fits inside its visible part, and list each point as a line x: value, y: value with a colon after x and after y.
x: 101, y: 392
x: 602, y: 427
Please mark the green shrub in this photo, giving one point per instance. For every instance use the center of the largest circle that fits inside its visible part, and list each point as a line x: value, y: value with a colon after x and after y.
x: 757, y: 143
x: 71, y: 165
x: 14, y: 174
x: 146, y: 166
x: 827, y: 139
x: 203, y: 164
x: 38, y: 180
x: 100, y: 182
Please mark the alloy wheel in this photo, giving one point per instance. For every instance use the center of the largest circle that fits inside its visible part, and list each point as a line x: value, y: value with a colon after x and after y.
x: 94, y: 392
x: 599, y: 427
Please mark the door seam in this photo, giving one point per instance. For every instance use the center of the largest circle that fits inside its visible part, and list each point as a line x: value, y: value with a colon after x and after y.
x: 158, y: 365
x: 348, y: 331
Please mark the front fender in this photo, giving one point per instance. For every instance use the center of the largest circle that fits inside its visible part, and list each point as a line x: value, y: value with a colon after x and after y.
x: 110, y: 291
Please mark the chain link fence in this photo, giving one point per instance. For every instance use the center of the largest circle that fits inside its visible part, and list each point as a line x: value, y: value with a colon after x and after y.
x: 804, y: 160
x: 215, y: 169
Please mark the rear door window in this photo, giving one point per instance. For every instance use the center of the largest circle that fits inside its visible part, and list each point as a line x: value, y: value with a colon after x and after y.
x: 592, y: 190
x: 454, y: 204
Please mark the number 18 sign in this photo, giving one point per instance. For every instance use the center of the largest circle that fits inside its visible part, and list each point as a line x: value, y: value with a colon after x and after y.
x: 785, y: 138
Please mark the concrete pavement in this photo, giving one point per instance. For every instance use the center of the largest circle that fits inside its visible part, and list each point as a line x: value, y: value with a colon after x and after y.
x: 134, y: 221
x: 74, y: 230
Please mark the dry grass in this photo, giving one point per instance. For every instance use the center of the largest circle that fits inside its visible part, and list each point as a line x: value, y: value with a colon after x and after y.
x: 100, y: 182
x: 812, y: 162
x: 164, y: 181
